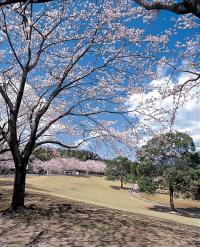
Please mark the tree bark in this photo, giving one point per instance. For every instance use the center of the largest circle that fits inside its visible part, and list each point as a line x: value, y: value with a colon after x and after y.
x: 19, y: 188
x: 171, y: 196
x: 184, y: 7
x: 122, y: 183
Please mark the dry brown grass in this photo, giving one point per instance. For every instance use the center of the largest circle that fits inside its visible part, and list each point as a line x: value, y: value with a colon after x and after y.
x: 98, y: 191
x: 52, y: 221
x: 179, y: 203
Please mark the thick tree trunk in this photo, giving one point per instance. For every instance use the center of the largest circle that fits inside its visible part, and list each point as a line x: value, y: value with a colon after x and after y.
x: 19, y: 188
x: 171, y: 196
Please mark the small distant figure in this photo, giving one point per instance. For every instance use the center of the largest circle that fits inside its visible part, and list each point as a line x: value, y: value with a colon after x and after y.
x: 134, y: 188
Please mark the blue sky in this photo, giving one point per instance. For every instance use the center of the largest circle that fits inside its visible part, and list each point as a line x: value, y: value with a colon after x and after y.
x: 188, y: 117
x: 164, y: 21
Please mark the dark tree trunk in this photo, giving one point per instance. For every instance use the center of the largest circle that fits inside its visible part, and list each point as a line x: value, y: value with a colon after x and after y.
x: 171, y: 196
x: 122, y: 183
x: 19, y: 188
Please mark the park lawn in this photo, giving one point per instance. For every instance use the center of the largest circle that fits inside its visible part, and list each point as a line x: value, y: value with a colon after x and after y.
x: 50, y: 221
x: 99, y: 191
x: 164, y: 199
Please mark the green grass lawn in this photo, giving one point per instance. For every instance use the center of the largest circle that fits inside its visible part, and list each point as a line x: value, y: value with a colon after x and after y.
x: 99, y: 191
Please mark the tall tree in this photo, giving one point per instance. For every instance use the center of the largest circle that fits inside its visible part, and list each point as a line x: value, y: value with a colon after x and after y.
x: 64, y: 69
x: 165, y: 161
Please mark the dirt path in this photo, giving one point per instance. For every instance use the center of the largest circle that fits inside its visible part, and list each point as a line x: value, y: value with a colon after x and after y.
x: 135, y: 193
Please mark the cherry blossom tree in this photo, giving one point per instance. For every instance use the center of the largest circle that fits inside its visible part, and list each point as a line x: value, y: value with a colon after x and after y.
x: 6, y: 163
x: 63, y: 165
x: 65, y: 71
x: 175, y: 86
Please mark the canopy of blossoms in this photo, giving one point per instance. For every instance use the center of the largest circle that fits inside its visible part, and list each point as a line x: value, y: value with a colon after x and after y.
x: 62, y: 165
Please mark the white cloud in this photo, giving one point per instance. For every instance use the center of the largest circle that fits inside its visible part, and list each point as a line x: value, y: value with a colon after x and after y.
x: 188, y: 120
x: 155, y: 109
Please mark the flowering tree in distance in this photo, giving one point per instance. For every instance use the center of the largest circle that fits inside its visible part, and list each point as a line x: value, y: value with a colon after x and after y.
x: 6, y: 163
x: 63, y: 165
x: 64, y: 69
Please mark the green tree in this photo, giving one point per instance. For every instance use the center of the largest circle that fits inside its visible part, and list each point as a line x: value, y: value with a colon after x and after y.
x: 166, y: 162
x: 119, y: 169
x: 79, y: 154
x: 147, y: 171
x: 196, y: 182
x: 43, y: 154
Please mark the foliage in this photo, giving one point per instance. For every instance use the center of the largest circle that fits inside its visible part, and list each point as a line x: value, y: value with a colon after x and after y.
x: 167, y: 161
x: 146, y: 185
x: 43, y: 153
x: 146, y: 172
x: 194, y: 173
x: 48, y: 153
x: 119, y: 169
x: 79, y: 154
x: 163, y: 148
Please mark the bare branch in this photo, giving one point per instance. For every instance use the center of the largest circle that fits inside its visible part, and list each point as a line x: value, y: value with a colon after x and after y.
x: 185, y: 7
x: 64, y: 145
x: 8, y: 2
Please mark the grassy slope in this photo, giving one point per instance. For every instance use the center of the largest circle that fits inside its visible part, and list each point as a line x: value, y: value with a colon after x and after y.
x: 52, y: 221
x: 164, y: 199
x: 98, y: 191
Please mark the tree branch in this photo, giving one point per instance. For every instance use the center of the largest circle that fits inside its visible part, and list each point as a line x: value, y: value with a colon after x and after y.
x: 8, y: 2
x: 185, y: 7
x: 64, y: 145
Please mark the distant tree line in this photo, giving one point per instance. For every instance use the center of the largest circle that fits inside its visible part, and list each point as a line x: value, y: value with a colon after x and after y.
x: 67, y: 166
x: 45, y: 156
x: 48, y: 153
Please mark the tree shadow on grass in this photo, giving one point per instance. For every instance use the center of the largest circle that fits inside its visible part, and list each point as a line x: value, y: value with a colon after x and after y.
x: 52, y: 221
x: 119, y: 188
x: 6, y: 183
x: 192, y: 212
